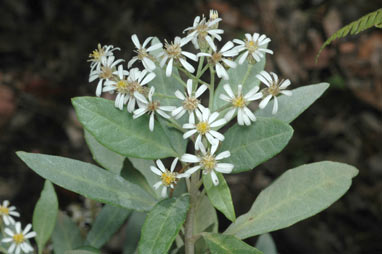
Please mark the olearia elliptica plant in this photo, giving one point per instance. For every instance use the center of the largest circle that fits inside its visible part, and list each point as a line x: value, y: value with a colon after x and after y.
x: 186, y: 112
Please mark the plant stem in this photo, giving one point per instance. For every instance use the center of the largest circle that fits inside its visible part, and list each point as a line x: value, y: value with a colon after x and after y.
x: 188, y: 234
x: 212, y: 87
x: 250, y: 66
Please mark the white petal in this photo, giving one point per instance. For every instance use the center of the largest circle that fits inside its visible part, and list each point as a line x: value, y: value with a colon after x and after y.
x: 286, y: 92
x: 210, y: 42
x: 27, y: 228
x: 192, y: 170
x: 262, y: 79
x: 164, y: 192
x: 200, y: 90
x: 140, y: 97
x: 228, y: 116
x: 230, y: 63
x: 173, y: 164
x: 240, y: 119
x: 190, y: 55
x: 228, y: 90
x: 226, y: 46
x: 177, y: 111
x: 155, y: 170
x: 225, y: 168
x: 162, y: 113
x: 214, y: 178
x: 190, y: 158
x: 189, y: 133
x: 148, y: 78
x: 218, y: 123
x: 148, y: 63
x: 154, y: 47
x: 8, y: 231
x: 217, y: 135
x: 285, y: 84
x: 243, y: 57
x: 151, y: 122
x: 189, y: 87
x: 186, y: 65
x: 135, y: 40
x: 148, y: 39
x: 169, y: 68
x: 179, y: 95
x: 157, y: 184
x: 275, y: 106
x: 265, y: 101
x: 223, y: 155
x: 249, y: 114
x: 224, y: 97
x: 30, y: 235
x: 213, y: 117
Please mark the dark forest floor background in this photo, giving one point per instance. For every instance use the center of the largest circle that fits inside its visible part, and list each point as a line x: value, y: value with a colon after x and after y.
x: 44, y: 46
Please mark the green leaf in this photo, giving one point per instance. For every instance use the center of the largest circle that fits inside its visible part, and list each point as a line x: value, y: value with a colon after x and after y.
x: 220, y: 195
x: 130, y: 173
x: 89, y: 181
x: 84, y: 250
x: 228, y: 244
x: 205, y: 217
x: 290, y: 107
x: 296, y: 195
x: 133, y: 232
x: 369, y: 20
x: 118, y: 131
x: 103, y: 156
x: 254, y: 144
x: 107, y: 222
x: 266, y: 244
x: 66, y: 235
x: 244, y: 74
x: 205, y: 220
x: 162, y: 225
x: 44, y: 215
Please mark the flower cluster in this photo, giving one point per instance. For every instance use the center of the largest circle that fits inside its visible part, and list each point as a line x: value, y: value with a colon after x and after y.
x: 15, y: 237
x: 138, y: 89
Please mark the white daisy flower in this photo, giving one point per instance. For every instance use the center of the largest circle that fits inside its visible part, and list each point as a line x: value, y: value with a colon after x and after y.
x: 143, y: 54
x: 253, y: 46
x: 19, y: 239
x: 190, y: 102
x: 173, y: 52
x: 274, y: 88
x: 207, y: 121
x: 7, y: 211
x: 126, y: 86
x: 104, y: 73
x: 240, y: 102
x: 99, y: 53
x: 168, y: 177
x: 202, y: 32
x: 222, y: 57
x: 150, y: 106
x: 209, y: 163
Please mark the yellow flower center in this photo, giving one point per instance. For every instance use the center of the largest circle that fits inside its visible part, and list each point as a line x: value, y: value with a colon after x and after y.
x: 216, y: 57
x: 4, y: 210
x: 168, y: 178
x: 18, y: 238
x: 190, y: 103
x: 208, y: 162
x: 202, y: 30
x: 203, y: 127
x: 152, y: 106
x: 122, y: 86
x: 173, y: 50
x: 238, y: 102
x: 274, y: 89
x: 252, y: 46
x: 97, y: 53
x: 106, y: 72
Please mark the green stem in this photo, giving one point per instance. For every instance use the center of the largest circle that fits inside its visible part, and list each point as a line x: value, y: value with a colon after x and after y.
x: 189, y: 75
x: 175, y: 124
x: 212, y: 87
x: 165, y: 96
x: 250, y: 66
x: 201, y: 61
x: 189, y: 240
x: 224, y: 107
x: 180, y: 80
